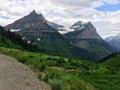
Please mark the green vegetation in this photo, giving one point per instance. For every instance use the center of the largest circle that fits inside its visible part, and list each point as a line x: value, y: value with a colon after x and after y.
x: 70, y: 74
x: 63, y: 73
x: 51, y: 43
x: 12, y: 40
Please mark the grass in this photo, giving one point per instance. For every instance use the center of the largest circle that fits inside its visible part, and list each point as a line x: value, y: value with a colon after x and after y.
x: 70, y: 74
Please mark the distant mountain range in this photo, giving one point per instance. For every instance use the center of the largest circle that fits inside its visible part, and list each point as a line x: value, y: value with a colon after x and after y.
x: 114, y: 41
x: 83, y: 42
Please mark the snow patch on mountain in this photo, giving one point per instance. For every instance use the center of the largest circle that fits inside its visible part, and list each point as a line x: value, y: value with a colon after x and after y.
x: 66, y: 31
x: 15, y: 30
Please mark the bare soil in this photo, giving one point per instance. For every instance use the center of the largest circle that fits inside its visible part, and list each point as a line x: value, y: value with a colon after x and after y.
x: 17, y: 76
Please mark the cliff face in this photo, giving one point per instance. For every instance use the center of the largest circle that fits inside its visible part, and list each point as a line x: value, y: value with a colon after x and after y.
x: 85, y: 30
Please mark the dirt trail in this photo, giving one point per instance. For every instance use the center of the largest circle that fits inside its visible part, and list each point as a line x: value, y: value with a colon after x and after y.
x: 16, y: 76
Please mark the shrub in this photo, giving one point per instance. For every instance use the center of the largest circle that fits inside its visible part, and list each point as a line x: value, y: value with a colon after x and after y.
x: 57, y: 84
x: 23, y: 59
x: 40, y: 76
x: 42, y: 67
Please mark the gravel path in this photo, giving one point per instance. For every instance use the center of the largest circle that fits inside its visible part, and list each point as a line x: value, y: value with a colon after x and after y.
x: 16, y: 76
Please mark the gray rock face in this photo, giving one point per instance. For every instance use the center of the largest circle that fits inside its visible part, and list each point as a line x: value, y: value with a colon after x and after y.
x: 33, y: 20
x: 85, y: 30
x: 89, y: 32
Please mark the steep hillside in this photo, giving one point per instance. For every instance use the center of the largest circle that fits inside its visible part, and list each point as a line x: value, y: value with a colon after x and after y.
x: 5, y: 42
x: 11, y: 40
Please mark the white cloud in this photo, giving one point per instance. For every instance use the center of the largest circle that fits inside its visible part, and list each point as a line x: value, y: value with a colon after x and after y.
x: 64, y: 12
x: 113, y: 1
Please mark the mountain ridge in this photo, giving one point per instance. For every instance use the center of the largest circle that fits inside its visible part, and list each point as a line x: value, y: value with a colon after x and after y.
x: 34, y: 29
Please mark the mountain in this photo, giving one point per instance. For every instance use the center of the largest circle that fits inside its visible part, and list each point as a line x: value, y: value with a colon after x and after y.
x: 85, y: 36
x: 33, y: 20
x: 33, y: 28
x: 114, y: 41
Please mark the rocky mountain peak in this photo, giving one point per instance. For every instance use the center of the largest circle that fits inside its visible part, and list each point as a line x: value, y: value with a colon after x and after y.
x: 77, y: 25
x: 89, y: 25
x: 33, y: 13
x: 31, y: 21
x: 84, y: 30
x: 33, y: 16
x: 89, y: 32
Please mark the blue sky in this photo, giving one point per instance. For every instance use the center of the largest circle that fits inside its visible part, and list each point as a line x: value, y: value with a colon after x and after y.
x: 4, y: 17
x: 109, y: 7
